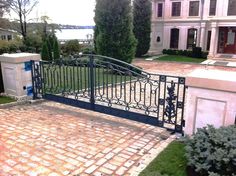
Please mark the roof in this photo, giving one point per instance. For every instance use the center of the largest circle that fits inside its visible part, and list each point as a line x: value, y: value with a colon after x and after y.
x: 8, y: 30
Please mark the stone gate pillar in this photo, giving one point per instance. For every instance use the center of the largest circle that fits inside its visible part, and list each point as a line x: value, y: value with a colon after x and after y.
x: 211, y: 99
x: 16, y: 72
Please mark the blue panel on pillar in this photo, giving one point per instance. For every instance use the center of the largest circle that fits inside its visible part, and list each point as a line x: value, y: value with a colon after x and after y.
x: 27, y: 66
x: 29, y: 90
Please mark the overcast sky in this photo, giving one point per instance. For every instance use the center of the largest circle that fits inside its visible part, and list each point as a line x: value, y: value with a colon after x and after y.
x: 78, y: 12
x: 75, y: 12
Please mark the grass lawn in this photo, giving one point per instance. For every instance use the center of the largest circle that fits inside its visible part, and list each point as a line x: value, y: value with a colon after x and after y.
x: 180, y: 59
x: 4, y: 100
x: 77, y: 78
x: 171, y: 162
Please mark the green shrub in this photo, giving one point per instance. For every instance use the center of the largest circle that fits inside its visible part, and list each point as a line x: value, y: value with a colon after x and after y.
x: 213, y: 151
x: 204, y: 55
x: 87, y: 50
x: 33, y: 43
x: 50, y: 48
x: 71, y: 47
x: 9, y: 46
x: 45, y: 52
x: 189, y: 53
x: 197, y: 52
x: 185, y: 53
x: 180, y: 52
x: 56, y: 50
x: 164, y: 51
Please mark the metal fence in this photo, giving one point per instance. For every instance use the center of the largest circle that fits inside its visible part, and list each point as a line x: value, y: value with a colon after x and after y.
x: 113, y: 87
x: 1, y: 81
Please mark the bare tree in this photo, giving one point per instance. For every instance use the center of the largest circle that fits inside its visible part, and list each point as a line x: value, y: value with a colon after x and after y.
x: 45, y: 19
x: 22, y: 8
x: 4, y: 7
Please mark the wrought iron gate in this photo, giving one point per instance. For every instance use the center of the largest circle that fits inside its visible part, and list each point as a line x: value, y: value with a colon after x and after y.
x: 1, y: 81
x: 113, y: 87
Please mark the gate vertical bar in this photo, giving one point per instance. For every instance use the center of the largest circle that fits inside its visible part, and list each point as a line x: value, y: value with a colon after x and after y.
x: 33, y: 80
x: 183, y: 105
x: 92, y: 92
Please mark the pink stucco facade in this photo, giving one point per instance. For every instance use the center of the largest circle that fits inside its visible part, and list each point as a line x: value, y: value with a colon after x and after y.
x: 211, y: 99
x: 210, y: 24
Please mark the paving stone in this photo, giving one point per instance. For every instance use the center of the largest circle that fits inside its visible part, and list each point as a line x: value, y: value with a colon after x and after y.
x: 53, y: 174
x: 110, y: 166
x: 91, y: 169
x: 129, y: 163
x: 81, y: 159
x: 101, y: 161
x: 109, y: 156
x: 97, y: 174
x: 72, y: 161
x: 10, y: 162
x: 89, y: 163
x: 54, y: 139
x: 32, y: 173
x: 33, y: 165
x: 106, y: 171
x: 121, y: 171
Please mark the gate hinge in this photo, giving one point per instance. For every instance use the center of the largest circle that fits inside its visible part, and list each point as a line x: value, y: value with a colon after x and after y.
x: 183, y: 123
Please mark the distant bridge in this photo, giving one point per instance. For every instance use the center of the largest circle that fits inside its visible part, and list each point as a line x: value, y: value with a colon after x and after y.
x: 81, y: 41
x: 75, y: 27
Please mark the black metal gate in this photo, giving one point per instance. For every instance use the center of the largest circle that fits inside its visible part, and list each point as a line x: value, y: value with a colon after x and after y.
x: 113, y: 87
x: 1, y: 81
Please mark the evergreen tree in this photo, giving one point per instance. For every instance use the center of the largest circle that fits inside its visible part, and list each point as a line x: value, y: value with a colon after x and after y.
x: 56, y: 50
x: 142, y: 25
x: 50, y: 49
x: 114, y: 29
x: 94, y: 38
x: 49, y: 41
x: 45, y: 52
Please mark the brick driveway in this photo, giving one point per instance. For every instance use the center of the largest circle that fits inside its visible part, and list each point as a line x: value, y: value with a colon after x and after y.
x: 175, y: 68
x: 53, y: 139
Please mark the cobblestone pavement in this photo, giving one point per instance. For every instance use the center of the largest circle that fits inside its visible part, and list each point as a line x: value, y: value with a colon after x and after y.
x: 175, y: 68
x: 53, y: 139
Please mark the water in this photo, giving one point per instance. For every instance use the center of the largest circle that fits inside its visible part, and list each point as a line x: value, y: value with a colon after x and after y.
x: 70, y: 34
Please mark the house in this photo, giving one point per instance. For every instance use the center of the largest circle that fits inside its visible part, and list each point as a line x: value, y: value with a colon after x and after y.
x: 6, y: 34
x: 182, y: 24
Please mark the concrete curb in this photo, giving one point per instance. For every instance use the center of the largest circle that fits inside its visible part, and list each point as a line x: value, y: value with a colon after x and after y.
x: 190, y: 63
x: 17, y: 103
x: 156, y: 60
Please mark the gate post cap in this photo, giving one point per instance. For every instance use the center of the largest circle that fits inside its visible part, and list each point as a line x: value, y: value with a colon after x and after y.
x: 19, y: 57
x: 212, y: 79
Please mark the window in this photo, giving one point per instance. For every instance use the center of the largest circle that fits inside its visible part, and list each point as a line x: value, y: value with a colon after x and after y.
x: 159, y: 9
x: 208, y: 40
x: 232, y: 7
x: 174, y: 38
x: 176, y: 8
x: 3, y: 37
x: 9, y: 37
x: 193, y: 8
x: 212, y: 11
x: 192, y: 38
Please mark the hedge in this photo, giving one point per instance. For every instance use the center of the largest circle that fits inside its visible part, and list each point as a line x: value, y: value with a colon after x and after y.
x: 196, y: 52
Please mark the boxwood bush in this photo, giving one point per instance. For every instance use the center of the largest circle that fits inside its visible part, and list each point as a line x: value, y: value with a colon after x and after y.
x: 196, y: 52
x: 9, y: 46
x: 212, y: 151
